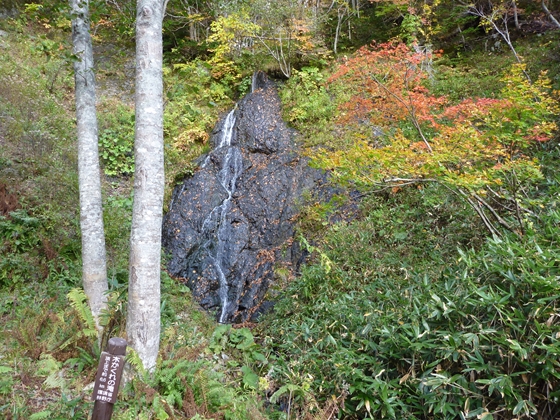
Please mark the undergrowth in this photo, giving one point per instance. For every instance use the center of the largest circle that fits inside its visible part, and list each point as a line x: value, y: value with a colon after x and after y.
x: 422, y: 331
x: 409, y: 309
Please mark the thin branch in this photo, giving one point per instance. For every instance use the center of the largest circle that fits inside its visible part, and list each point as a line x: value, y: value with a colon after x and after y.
x: 410, y: 180
x: 516, y: 203
x: 503, y: 33
x: 481, y: 214
x: 515, y: 14
x: 477, y: 203
x: 492, y: 210
x: 411, y: 112
x: 550, y: 16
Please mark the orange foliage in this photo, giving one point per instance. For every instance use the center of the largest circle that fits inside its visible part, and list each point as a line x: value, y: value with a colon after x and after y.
x: 390, y: 77
x: 469, y: 145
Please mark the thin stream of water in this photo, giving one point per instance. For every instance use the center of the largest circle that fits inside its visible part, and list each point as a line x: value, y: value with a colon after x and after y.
x: 216, y: 222
x: 217, y: 219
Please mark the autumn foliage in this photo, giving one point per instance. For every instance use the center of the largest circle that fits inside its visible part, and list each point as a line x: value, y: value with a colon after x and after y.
x: 402, y: 133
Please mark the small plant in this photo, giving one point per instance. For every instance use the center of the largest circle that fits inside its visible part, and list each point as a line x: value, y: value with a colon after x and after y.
x: 116, y: 142
x: 306, y: 99
x: 6, y: 381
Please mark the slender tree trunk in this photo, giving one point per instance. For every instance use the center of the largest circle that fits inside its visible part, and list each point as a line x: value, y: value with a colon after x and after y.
x: 143, y: 319
x: 515, y: 14
x: 91, y: 211
x: 550, y: 15
x: 337, y: 32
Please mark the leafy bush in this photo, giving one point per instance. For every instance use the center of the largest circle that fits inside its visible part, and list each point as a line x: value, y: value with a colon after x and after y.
x: 306, y: 100
x: 116, y: 141
x: 474, y: 338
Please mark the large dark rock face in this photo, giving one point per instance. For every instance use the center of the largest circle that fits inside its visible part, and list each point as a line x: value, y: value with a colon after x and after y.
x: 231, y: 224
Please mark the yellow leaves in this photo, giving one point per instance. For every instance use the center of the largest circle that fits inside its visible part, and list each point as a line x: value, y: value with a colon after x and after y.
x: 476, y: 143
x: 229, y: 35
x: 197, y: 17
x: 303, y: 35
x: 186, y: 138
x: 229, y: 31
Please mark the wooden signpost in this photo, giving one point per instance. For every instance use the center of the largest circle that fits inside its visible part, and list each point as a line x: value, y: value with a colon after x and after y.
x: 108, y: 379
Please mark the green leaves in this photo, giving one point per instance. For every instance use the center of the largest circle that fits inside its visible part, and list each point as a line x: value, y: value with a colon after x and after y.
x: 6, y: 380
x: 250, y: 378
x: 306, y: 100
x: 477, y: 338
x: 78, y: 301
x: 116, y: 142
x: 20, y: 240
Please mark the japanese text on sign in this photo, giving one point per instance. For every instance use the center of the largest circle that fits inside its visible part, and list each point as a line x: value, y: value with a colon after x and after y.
x: 108, y: 378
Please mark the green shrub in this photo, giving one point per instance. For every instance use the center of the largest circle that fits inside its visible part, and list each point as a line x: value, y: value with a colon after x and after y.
x: 116, y: 141
x: 305, y: 99
x: 19, y: 256
x: 403, y: 331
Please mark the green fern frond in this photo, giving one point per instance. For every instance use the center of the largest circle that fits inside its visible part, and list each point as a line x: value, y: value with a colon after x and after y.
x: 78, y: 301
x: 5, y: 369
x: 48, y: 365
x: 54, y: 381
x: 135, y: 362
x: 159, y: 408
x: 41, y: 415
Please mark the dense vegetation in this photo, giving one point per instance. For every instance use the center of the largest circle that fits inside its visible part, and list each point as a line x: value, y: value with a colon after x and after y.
x: 433, y: 284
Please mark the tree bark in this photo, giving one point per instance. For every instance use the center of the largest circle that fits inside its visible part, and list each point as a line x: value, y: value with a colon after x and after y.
x: 94, y: 265
x: 549, y: 14
x: 143, y: 319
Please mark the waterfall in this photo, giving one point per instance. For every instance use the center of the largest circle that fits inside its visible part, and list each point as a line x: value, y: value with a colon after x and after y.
x: 216, y: 222
x: 227, y: 129
x: 228, y: 178
x: 232, y: 220
x: 254, y: 81
x: 174, y: 196
x: 227, y: 134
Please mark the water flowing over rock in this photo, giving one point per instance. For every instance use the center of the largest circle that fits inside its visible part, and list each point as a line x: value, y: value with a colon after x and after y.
x: 230, y: 225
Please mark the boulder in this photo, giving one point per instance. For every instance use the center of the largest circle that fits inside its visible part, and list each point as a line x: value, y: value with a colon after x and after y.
x: 232, y: 223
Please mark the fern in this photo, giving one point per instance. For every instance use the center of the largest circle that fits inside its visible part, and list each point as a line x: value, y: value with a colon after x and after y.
x: 5, y: 369
x: 41, y: 415
x: 48, y: 365
x: 54, y: 381
x: 78, y: 301
x: 159, y: 408
x: 135, y: 362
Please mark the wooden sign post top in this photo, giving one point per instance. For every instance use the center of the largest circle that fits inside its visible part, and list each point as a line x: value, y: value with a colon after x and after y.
x: 109, y: 371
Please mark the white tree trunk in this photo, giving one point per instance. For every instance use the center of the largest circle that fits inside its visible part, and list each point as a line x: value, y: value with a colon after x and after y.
x: 550, y: 15
x: 94, y: 267
x: 143, y: 319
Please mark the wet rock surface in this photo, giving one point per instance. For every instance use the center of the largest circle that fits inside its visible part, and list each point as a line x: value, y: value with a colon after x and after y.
x: 232, y: 223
